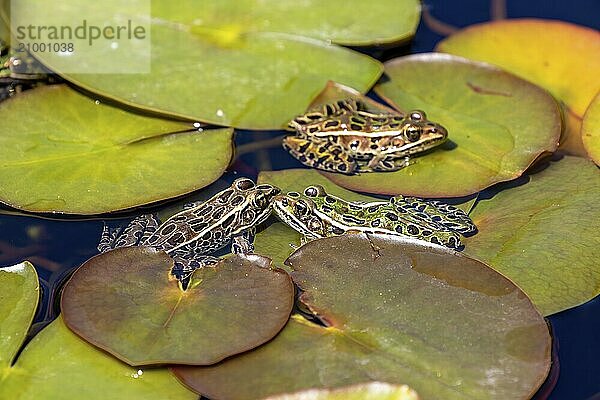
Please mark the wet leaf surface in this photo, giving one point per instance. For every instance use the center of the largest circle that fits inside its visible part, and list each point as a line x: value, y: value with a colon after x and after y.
x: 559, y: 56
x: 490, y: 140
x: 590, y: 130
x: 123, y: 302
x: 444, y: 324
x: 18, y: 301
x: 365, y: 391
x: 352, y: 23
x: 56, y: 364
x: 227, y: 75
x: 278, y: 241
x: 544, y: 235
x: 86, y: 158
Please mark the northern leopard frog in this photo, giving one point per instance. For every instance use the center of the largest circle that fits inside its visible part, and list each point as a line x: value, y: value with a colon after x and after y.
x: 201, y: 228
x: 316, y: 214
x: 344, y: 137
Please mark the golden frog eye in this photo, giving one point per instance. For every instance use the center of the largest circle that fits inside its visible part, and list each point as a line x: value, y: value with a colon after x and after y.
x: 354, y: 144
x: 417, y: 115
x: 413, y: 133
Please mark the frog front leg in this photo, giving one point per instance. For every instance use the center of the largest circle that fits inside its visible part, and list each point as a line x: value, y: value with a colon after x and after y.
x: 242, y: 243
x: 320, y: 153
x: 384, y: 163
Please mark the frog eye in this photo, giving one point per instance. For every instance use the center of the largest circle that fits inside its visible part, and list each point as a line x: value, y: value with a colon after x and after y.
x: 314, y: 191
x: 413, y: 133
x: 243, y: 184
x: 417, y: 115
x: 354, y: 144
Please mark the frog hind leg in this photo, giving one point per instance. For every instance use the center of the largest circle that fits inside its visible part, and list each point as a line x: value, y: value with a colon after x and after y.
x: 132, y: 235
x: 320, y: 154
x: 107, y: 239
x: 446, y: 215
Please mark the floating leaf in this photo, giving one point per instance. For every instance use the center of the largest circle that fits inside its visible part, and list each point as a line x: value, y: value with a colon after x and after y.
x: 277, y: 240
x: 559, y: 56
x: 590, y: 130
x: 226, y: 75
x: 123, y: 302
x: 490, y: 139
x: 544, y: 235
x: 448, y: 326
x: 85, y: 157
x: 353, y: 23
x: 56, y: 364
x: 18, y: 301
x: 363, y: 391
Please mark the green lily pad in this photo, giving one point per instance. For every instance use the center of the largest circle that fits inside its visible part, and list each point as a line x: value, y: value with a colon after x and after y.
x: 491, y: 139
x: 543, y: 52
x: 544, y: 235
x: 364, y: 391
x: 225, y: 75
x: 590, y: 130
x: 446, y: 325
x: 123, y: 302
x: 56, y: 364
x: 278, y: 241
x: 352, y: 23
x: 18, y: 301
x: 86, y: 157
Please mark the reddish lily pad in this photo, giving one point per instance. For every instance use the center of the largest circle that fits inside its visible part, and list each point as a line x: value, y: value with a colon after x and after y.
x: 56, y: 364
x: 364, y: 391
x: 446, y: 325
x: 544, y: 235
x: 123, y: 302
x: 86, y: 157
x: 590, y: 130
x: 490, y: 139
x: 559, y: 56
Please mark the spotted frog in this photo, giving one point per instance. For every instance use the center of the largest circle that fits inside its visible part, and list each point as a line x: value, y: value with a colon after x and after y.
x: 344, y: 137
x: 201, y: 228
x: 316, y: 214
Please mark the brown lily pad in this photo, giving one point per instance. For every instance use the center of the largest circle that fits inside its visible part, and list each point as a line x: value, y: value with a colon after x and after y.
x: 123, y: 302
x: 446, y: 325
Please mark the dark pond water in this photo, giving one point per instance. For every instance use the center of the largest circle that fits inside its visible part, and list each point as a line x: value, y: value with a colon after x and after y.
x: 56, y: 247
